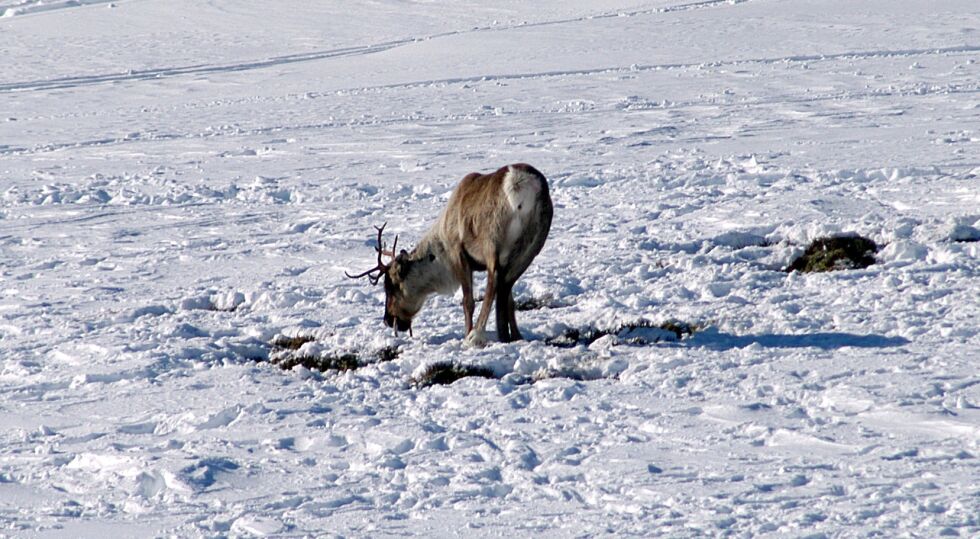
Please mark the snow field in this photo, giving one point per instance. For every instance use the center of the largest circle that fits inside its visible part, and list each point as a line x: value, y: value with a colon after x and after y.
x: 172, y: 204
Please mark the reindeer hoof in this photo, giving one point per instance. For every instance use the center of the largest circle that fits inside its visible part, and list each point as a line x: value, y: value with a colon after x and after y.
x: 476, y: 339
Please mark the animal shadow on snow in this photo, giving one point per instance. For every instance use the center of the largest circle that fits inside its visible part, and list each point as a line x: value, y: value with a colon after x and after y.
x: 717, y: 340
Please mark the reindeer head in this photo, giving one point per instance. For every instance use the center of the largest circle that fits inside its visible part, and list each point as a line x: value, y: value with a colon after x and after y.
x: 400, y: 307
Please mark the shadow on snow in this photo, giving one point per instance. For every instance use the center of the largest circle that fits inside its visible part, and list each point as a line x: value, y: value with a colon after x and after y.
x: 716, y: 340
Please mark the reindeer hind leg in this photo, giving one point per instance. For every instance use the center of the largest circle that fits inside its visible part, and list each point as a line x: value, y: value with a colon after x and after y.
x: 515, y: 334
x: 504, y: 306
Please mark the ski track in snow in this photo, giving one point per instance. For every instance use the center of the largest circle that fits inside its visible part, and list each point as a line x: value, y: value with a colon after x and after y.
x: 72, y: 82
x: 159, y: 228
x: 966, y: 87
x: 25, y: 7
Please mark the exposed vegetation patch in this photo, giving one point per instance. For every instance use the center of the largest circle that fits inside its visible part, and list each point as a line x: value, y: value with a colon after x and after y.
x: 387, y: 353
x: 681, y: 329
x: 285, y: 354
x: 447, y: 372
x: 836, y: 253
x: 291, y: 343
x: 225, y: 309
x: 640, y: 333
x: 578, y: 375
x: 533, y: 304
x: 343, y: 362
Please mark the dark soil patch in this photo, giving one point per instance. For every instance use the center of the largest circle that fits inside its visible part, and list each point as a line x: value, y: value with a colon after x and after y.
x: 447, y: 372
x: 642, y: 332
x: 836, y: 253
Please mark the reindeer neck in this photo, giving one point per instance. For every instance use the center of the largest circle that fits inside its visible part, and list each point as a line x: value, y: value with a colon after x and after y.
x: 432, y: 273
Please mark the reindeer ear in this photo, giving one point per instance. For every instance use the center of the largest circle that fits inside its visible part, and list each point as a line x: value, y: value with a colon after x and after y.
x: 404, y: 267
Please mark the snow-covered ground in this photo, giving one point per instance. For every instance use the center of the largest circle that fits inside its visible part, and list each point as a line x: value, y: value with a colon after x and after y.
x: 182, y: 181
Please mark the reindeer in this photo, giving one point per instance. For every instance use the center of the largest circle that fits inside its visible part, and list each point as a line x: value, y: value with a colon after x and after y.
x: 495, y: 223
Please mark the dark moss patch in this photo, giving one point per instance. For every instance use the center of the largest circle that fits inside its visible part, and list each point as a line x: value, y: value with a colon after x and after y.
x: 641, y: 332
x: 577, y: 375
x: 571, y: 337
x: 291, y: 343
x: 343, y: 362
x: 836, y: 253
x: 387, y: 353
x: 681, y: 329
x: 447, y: 372
x: 284, y: 354
x: 533, y: 304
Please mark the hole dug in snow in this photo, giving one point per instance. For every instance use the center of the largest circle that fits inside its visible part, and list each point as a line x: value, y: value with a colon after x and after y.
x: 639, y: 333
x: 546, y: 301
x: 288, y: 352
x: 304, y: 350
x: 835, y: 253
x: 447, y: 372
x: 291, y: 343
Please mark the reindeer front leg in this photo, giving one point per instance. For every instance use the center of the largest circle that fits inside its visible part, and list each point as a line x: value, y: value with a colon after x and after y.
x: 515, y: 334
x: 504, y: 308
x: 468, y: 302
x: 478, y: 336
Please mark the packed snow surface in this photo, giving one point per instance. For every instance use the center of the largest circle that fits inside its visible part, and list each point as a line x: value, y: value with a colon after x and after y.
x: 184, y: 182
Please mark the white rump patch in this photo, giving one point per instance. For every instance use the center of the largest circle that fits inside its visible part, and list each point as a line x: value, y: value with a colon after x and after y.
x: 522, y: 191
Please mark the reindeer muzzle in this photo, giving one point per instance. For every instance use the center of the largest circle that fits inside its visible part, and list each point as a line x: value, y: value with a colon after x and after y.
x: 401, y: 324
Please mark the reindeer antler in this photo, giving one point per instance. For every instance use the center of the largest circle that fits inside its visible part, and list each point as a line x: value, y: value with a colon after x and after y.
x: 381, y: 268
